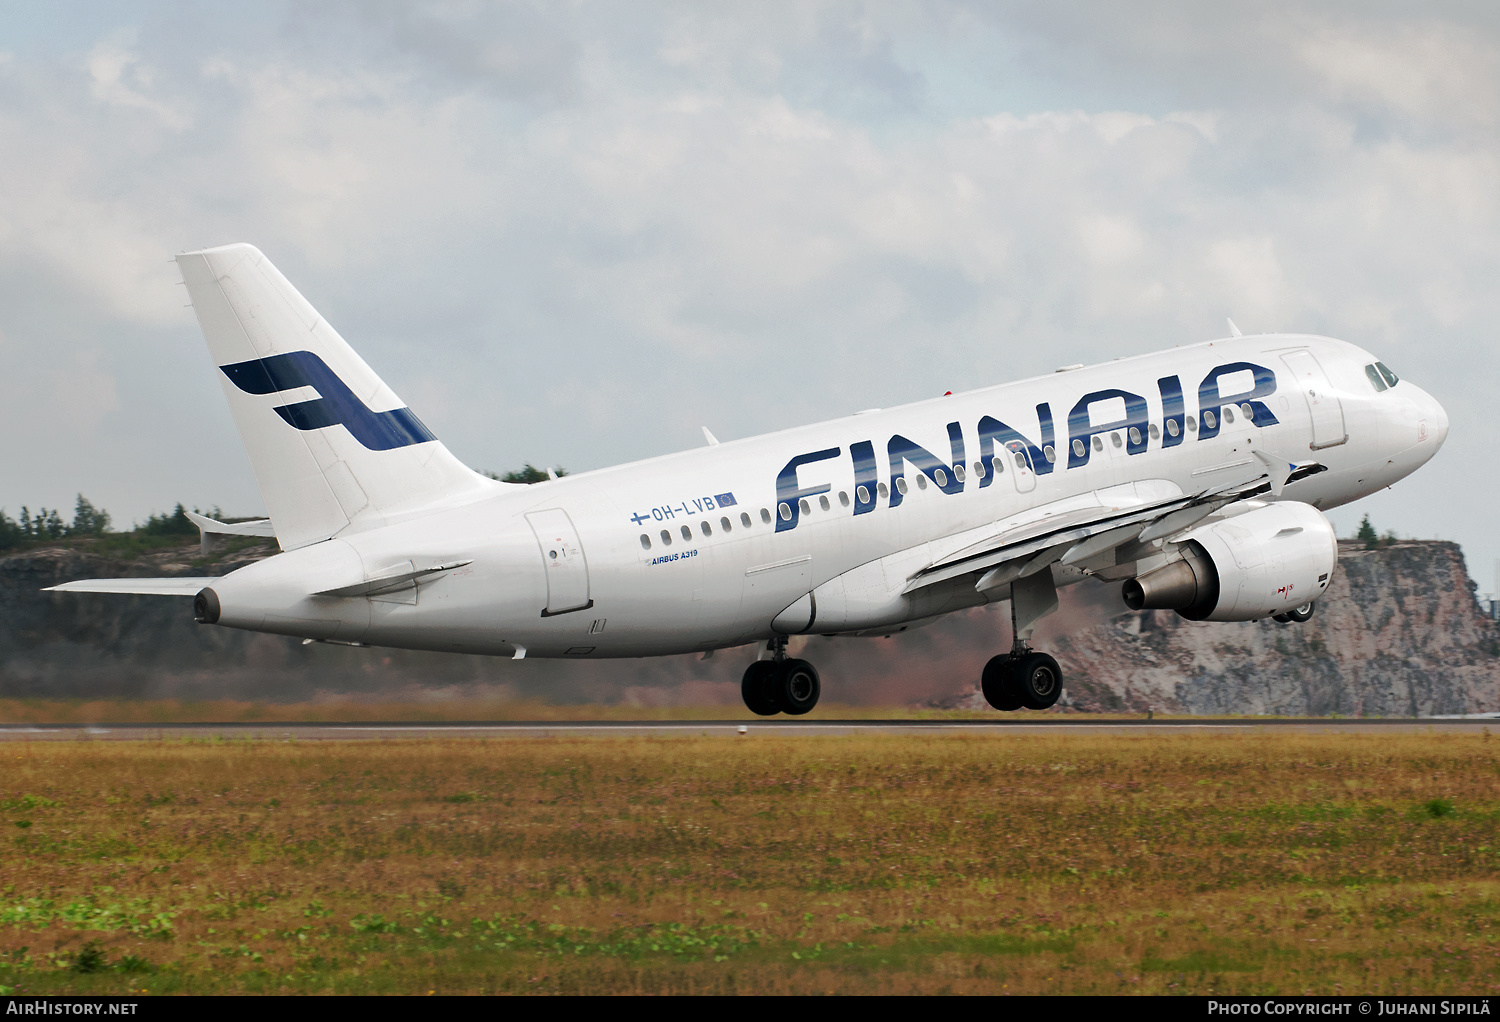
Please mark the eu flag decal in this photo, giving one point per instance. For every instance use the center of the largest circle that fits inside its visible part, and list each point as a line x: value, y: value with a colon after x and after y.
x: 725, y: 499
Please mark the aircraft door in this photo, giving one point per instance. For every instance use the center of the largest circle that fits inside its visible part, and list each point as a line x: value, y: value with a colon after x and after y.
x: 1020, y: 467
x: 563, y: 560
x: 1322, y: 402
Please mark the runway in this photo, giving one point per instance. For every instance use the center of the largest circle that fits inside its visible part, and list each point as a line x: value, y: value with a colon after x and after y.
x: 397, y: 730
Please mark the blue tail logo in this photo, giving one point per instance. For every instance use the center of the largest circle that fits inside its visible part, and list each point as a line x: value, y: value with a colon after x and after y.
x: 338, y: 406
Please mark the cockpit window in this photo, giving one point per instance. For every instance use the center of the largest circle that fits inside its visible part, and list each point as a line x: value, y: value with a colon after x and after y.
x: 1390, y: 377
x: 1376, y: 380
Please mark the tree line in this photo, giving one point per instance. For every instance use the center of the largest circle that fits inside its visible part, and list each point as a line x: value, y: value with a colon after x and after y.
x: 47, y: 524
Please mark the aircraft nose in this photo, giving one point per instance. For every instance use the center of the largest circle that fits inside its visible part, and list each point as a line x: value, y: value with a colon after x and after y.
x: 1435, y: 417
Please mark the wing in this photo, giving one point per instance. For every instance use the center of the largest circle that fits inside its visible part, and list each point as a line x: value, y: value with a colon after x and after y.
x: 138, y: 586
x: 1124, y: 524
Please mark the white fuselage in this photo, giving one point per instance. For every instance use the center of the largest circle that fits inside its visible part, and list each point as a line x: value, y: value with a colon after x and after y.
x: 628, y: 568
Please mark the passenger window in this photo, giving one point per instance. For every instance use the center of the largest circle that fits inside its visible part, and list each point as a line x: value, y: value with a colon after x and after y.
x: 843, y: 499
x: 724, y: 524
x: 1228, y: 415
x: 862, y: 493
x: 666, y: 538
x: 803, y: 507
x: 1209, y: 420
x: 765, y: 516
x: 823, y: 503
x: 744, y: 519
x: 1248, y: 412
x: 921, y: 480
x: 785, y: 510
x: 901, y: 485
x: 1192, y: 424
x: 1155, y: 431
x: 687, y: 533
x: 645, y: 542
x: 1020, y: 460
x: 1172, y: 429
x: 1078, y: 447
x: 958, y: 472
x: 1135, y: 437
x: 881, y: 489
x: 708, y: 530
x: 1049, y: 454
x: 978, y: 470
x: 1385, y: 371
x: 1376, y: 380
x: 940, y: 477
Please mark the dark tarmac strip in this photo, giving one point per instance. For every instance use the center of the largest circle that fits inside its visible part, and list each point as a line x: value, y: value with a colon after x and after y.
x: 541, y: 729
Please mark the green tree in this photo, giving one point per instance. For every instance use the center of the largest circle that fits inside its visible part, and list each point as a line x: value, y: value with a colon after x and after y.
x: 175, y: 524
x: 1367, y: 534
x: 529, y: 474
x: 88, y: 520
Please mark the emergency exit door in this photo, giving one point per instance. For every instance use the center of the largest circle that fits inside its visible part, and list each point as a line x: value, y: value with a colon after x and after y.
x: 563, y: 561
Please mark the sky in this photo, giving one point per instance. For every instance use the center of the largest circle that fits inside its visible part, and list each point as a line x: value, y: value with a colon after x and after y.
x: 572, y: 233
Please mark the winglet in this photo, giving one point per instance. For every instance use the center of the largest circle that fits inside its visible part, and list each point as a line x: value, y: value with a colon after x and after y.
x: 713, y: 441
x: 1234, y: 331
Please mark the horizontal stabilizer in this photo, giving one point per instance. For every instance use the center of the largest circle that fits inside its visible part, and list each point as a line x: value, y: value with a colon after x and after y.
x: 259, y: 527
x: 390, y: 580
x: 137, y: 586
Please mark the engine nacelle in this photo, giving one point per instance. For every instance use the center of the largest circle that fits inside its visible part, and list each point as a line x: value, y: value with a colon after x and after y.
x: 1251, y: 566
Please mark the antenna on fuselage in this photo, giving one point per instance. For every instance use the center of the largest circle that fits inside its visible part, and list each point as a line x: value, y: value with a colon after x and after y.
x: 1234, y: 331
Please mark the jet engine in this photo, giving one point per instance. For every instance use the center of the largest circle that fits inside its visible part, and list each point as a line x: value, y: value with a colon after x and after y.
x: 1271, y: 560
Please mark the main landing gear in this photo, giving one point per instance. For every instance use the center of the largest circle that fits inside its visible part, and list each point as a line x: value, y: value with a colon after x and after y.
x: 781, y: 684
x: 1020, y: 678
x: 1024, y: 677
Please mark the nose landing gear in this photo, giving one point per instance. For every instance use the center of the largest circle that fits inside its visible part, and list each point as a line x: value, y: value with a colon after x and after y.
x: 781, y: 684
x: 1297, y: 615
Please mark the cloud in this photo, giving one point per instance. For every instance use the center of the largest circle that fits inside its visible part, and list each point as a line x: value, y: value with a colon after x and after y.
x: 573, y: 234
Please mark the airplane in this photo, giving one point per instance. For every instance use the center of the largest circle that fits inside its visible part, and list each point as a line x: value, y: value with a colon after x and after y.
x: 1194, y: 478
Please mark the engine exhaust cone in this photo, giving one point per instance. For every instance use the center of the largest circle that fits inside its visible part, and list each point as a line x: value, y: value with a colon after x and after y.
x: 1189, y: 586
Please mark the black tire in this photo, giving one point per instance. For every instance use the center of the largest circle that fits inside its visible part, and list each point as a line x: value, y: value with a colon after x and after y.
x: 797, y: 687
x: 996, y: 684
x: 757, y: 690
x: 1303, y: 613
x: 1282, y: 618
x: 1037, y: 679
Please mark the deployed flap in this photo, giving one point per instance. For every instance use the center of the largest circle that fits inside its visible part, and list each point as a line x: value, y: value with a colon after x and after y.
x: 330, y: 443
x: 258, y: 527
x: 1064, y: 533
x: 137, y: 586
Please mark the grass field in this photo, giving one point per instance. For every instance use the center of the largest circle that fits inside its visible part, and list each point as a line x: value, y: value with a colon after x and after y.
x: 870, y: 864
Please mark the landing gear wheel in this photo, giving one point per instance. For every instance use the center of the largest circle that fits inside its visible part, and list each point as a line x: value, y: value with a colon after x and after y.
x: 758, y: 690
x: 996, y: 685
x: 1037, y: 679
x: 1281, y: 618
x: 797, y: 686
x: 1302, y: 613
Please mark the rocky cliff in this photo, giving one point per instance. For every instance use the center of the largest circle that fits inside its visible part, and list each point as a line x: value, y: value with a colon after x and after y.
x: 1397, y: 634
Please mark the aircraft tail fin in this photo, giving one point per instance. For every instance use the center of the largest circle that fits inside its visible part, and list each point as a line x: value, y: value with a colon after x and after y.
x: 332, y: 446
